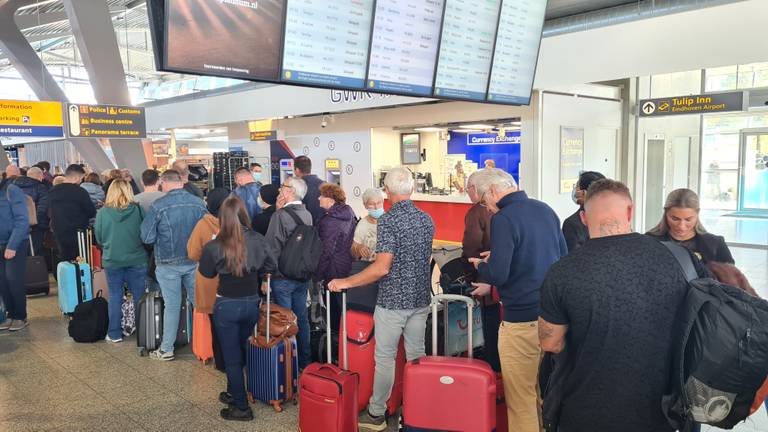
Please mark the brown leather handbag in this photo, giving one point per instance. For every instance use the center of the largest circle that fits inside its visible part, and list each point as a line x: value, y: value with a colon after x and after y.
x: 282, y: 322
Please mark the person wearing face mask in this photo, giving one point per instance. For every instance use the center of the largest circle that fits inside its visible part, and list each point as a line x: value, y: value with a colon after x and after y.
x: 680, y: 224
x: 256, y: 172
x: 336, y: 228
x: 364, y: 242
x: 525, y: 241
x: 267, y: 201
x: 574, y: 231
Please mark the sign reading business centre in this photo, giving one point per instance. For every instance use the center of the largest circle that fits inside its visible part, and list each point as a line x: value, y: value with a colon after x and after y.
x: 106, y: 121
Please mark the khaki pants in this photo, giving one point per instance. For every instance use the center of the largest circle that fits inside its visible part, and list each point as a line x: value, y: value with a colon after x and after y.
x: 520, y: 356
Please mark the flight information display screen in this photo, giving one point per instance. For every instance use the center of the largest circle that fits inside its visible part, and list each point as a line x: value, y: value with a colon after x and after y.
x: 466, y: 48
x: 404, y: 46
x: 229, y: 38
x: 517, y: 50
x: 326, y: 43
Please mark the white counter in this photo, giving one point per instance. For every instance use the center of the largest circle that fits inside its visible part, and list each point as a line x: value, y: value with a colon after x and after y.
x: 453, y: 198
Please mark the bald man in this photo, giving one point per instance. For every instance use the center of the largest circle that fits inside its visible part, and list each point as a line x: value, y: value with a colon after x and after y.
x: 614, y: 301
x: 12, y: 171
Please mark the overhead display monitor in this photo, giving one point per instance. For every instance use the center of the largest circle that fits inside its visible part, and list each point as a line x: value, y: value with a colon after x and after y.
x: 404, y: 46
x: 517, y: 50
x: 326, y: 43
x: 228, y: 38
x: 466, y: 49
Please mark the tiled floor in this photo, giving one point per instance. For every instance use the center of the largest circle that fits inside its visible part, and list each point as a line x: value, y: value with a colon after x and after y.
x: 50, y: 383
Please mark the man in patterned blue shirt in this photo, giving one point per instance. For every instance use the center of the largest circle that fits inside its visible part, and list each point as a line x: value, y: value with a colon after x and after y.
x: 403, y: 250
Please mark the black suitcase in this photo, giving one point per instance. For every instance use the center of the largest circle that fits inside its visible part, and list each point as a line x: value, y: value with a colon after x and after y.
x: 149, y: 322
x: 363, y: 298
x: 36, y: 273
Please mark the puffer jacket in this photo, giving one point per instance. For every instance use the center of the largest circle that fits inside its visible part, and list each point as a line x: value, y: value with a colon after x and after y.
x: 205, y: 289
x: 38, y: 191
x: 14, y: 219
x: 336, y: 229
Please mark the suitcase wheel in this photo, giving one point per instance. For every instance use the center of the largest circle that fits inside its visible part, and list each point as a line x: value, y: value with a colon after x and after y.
x: 277, y: 405
x: 251, y: 399
x: 142, y: 352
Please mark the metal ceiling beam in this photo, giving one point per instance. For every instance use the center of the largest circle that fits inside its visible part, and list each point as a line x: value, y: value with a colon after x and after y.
x: 26, y: 61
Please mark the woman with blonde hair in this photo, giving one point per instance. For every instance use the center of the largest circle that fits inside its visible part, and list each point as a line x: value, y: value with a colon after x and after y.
x: 117, y: 229
x: 680, y: 224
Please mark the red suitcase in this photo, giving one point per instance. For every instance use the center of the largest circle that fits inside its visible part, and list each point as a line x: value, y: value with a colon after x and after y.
x: 362, y: 346
x: 436, y: 390
x: 501, y: 406
x: 327, y: 393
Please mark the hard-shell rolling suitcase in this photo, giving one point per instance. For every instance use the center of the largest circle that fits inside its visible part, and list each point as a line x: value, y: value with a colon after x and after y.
x: 361, y: 344
x: 436, y: 390
x: 272, y: 365
x: 501, y: 406
x: 327, y: 393
x: 36, y: 273
x: 74, y: 279
x: 202, y: 337
x: 149, y: 322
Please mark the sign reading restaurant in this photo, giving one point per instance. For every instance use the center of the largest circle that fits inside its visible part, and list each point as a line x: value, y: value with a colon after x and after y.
x: 31, y: 119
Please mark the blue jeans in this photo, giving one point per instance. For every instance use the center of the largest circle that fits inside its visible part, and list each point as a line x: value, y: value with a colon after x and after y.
x: 12, y: 287
x: 117, y: 276
x: 172, y: 278
x: 292, y: 294
x: 234, y: 319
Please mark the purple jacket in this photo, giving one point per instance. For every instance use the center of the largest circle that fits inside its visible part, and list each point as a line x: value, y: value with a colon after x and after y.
x: 337, y: 228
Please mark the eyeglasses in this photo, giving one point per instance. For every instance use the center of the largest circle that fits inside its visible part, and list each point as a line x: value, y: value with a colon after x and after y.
x: 285, y: 186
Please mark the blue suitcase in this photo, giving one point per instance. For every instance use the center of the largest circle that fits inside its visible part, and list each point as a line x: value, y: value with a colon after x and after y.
x: 272, y: 368
x: 74, y: 285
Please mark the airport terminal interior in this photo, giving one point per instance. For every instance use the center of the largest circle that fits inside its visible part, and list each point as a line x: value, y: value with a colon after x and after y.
x: 230, y: 96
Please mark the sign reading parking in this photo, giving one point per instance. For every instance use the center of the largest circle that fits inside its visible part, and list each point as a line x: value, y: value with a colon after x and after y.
x: 31, y: 119
x: 694, y: 104
x: 106, y: 121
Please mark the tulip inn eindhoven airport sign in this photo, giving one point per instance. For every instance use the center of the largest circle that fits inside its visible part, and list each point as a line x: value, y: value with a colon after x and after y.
x: 31, y: 119
x: 105, y: 121
x: 693, y: 104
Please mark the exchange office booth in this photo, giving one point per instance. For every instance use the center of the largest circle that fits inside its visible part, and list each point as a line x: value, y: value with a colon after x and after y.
x: 441, y: 158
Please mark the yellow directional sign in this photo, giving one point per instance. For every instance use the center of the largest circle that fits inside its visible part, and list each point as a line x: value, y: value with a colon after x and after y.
x: 31, y: 119
x: 693, y: 104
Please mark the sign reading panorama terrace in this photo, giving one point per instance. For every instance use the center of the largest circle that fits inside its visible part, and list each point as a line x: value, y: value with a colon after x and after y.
x: 106, y: 121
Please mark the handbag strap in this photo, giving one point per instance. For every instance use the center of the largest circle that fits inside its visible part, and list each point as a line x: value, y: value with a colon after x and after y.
x: 683, y: 258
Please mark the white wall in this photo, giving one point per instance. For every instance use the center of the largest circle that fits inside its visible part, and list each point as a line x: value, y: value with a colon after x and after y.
x: 711, y: 37
x: 597, y: 117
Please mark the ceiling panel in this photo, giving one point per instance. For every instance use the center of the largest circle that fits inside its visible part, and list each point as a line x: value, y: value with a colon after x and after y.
x: 562, y: 8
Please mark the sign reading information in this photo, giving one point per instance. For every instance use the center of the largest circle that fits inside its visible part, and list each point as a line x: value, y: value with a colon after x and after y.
x: 693, y: 104
x: 31, y: 119
x: 106, y: 121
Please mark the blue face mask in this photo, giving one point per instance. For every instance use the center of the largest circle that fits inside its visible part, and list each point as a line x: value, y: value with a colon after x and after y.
x: 376, y: 213
x: 256, y: 176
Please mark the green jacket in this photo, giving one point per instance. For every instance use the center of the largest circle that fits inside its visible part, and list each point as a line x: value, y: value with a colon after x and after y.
x: 118, y: 233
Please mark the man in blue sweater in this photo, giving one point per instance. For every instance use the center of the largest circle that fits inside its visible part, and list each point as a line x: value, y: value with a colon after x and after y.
x: 525, y: 241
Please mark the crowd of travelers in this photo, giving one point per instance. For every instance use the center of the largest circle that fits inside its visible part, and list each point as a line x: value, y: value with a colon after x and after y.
x: 590, y: 304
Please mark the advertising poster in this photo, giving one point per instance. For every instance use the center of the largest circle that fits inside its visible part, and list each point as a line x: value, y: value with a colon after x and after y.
x: 571, y: 157
x: 230, y: 38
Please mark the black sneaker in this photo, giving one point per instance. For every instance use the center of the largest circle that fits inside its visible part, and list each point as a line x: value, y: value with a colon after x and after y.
x: 370, y: 422
x: 226, y: 398
x: 236, y: 414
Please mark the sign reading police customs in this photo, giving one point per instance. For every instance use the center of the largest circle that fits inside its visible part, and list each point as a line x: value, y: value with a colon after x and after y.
x: 693, y: 104
x: 106, y: 121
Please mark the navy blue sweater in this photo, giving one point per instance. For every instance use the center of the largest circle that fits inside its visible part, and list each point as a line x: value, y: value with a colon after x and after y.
x: 525, y: 241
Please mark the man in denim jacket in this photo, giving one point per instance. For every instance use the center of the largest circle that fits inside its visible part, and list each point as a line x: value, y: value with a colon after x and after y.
x: 168, y: 226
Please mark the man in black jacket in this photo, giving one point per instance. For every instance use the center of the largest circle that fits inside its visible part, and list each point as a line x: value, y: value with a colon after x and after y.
x: 302, y: 168
x: 575, y: 232
x: 71, y: 210
x: 32, y: 185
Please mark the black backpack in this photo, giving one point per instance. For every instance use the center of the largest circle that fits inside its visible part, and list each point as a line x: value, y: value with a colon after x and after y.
x: 90, y: 320
x: 721, y: 357
x: 301, y: 253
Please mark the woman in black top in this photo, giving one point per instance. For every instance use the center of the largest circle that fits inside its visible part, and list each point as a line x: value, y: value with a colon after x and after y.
x: 240, y: 257
x: 681, y: 225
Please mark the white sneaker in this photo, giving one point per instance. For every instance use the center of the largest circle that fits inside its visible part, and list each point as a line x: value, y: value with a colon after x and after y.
x: 18, y: 325
x: 160, y: 355
x: 109, y: 339
x: 5, y: 325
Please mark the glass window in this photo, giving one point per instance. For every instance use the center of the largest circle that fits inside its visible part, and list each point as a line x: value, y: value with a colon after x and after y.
x: 722, y: 78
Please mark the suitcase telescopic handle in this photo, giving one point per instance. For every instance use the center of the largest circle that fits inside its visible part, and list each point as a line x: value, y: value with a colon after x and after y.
x: 269, y: 288
x: 448, y: 298
x: 343, y: 325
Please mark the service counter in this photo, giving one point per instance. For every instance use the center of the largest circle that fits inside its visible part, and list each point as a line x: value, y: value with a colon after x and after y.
x: 447, y: 212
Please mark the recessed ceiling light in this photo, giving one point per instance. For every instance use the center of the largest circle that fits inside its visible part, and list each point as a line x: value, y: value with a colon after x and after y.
x: 429, y: 129
x: 476, y: 126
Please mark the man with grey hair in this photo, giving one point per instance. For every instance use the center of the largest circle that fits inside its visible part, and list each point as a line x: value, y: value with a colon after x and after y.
x: 291, y: 293
x: 525, y: 241
x: 168, y: 226
x: 403, y: 250
x: 32, y: 185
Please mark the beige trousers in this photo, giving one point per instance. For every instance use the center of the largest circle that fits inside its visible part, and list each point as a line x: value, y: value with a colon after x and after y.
x: 520, y: 356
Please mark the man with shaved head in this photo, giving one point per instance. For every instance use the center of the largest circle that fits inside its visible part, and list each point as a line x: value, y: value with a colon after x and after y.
x: 608, y: 308
x: 12, y: 171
